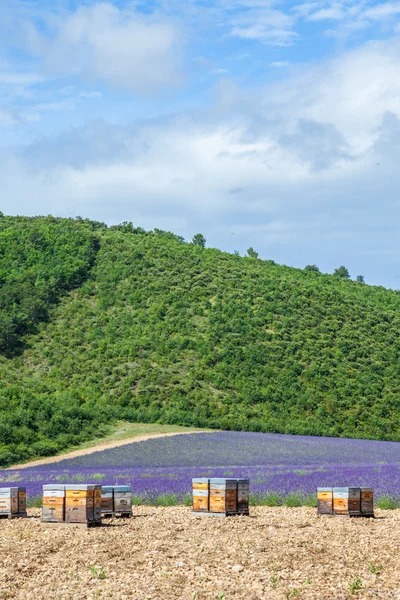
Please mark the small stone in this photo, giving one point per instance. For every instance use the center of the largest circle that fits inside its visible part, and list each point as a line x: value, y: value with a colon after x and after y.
x: 180, y: 564
x: 237, y: 568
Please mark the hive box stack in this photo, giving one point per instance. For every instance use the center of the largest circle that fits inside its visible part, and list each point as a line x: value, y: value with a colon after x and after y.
x: 201, y: 494
x: 346, y: 502
x: 367, y: 502
x: 243, y: 486
x: 83, y: 504
x: 13, y: 502
x: 325, y: 501
x: 53, y: 503
x: 220, y: 497
x: 223, y: 496
x: 107, y: 500
x: 123, y: 500
x: 79, y: 504
x: 116, y: 499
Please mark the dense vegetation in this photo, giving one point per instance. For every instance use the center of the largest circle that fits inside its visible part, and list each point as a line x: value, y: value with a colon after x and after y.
x: 142, y: 326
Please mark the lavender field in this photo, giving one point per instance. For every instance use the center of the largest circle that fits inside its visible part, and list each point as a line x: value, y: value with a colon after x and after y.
x: 282, y: 468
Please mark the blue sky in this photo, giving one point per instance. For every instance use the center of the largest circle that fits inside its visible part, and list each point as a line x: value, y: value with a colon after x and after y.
x: 259, y: 123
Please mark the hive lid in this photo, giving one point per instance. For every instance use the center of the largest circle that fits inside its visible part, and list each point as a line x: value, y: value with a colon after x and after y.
x: 200, y: 480
x: 222, y: 480
x: 367, y: 489
x: 81, y: 486
x: 122, y: 488
x: 9, y: 490
x: 54, y: 486
x: 326, y: 489
x: 243, y: 480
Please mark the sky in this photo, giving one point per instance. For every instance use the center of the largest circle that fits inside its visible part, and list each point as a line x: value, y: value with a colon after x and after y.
x: 258, y: 123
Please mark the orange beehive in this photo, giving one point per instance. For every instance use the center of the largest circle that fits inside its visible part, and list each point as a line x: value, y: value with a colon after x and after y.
x: 325, y: 501
x: 223, y: 495
x: 79, y: 503
x: 347, y: 501
x: 201, y: 494
x: 53, y: 503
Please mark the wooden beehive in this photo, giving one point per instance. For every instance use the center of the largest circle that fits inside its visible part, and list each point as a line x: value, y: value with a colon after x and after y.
x: 53, y: 503
x: 223, y: 495
x: 79, y: 503
x: 367, y: 502
x: 22, y: 500
x: 123, y: 499
x: 97, y: 503
x: 107, y: 499
x: 325, y: 501
x: 9, y: 501
x: 201, y: 494
x: 243, y: 487
x: 347, y: 501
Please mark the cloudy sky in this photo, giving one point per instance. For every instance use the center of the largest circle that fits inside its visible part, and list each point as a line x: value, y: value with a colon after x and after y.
x: 259, y: 123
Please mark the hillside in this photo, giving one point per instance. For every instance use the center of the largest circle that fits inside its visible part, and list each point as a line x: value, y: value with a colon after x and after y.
x: 121, y: 323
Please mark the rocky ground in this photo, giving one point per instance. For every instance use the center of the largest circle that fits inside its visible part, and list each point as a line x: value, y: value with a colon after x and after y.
x: 167, y: 553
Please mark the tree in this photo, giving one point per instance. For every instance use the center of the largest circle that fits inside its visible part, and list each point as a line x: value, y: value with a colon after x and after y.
x: 252, y: 253
x: 313, y: 268
x: 360, y: 279
x: 342, y: 272
x: 236, y: 253
x: 199, y: 240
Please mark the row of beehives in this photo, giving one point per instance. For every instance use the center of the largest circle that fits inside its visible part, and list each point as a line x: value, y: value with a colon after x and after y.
x: 85, y: 503
x: 346, y: 501
x: 82, y: 503
x: 220, y: 496
x: 13, y: 501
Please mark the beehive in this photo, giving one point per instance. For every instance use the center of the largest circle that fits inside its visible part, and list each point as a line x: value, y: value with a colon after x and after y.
x: 201, y: 494
x: 107, y: 499
x: 9, y: 501
x: 243, y: 486
x: 122, y: 499
x: 79, y: 503
x: 223, y: 495
x: 325, y: 501
x: 367, y: 502
x: 347, y: 501
x: 22, y: 500
x: 53, y: 503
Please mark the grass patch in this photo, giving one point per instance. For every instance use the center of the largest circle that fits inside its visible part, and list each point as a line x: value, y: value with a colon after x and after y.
x: 34, y: 502
x: 387, y: 502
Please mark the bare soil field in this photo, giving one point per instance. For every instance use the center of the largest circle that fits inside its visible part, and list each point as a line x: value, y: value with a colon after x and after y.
x: 168, y: 553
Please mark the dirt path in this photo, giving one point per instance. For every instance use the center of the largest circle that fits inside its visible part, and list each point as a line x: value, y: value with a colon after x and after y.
x: 99, y: 447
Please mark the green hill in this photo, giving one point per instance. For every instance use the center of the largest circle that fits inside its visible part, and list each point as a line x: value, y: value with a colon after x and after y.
x: 102, y: 323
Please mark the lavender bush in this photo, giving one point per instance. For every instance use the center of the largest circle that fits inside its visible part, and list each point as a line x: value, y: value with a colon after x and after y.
x: 282, y: 468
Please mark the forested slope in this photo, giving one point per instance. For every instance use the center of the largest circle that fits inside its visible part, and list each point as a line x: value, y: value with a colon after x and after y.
x: 143, y: 326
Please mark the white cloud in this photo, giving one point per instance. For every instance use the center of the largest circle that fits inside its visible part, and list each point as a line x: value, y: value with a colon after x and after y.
x: 15, y: 78
x: 278, y: 64
x: 268, y: 25
x: 324, y: 14
x: 382, y: 11
x: 292, y: 168
x: 90, y: 95
x: 118, y: 47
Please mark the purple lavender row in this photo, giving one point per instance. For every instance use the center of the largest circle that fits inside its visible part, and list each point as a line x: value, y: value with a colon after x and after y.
x: 153, y: 482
